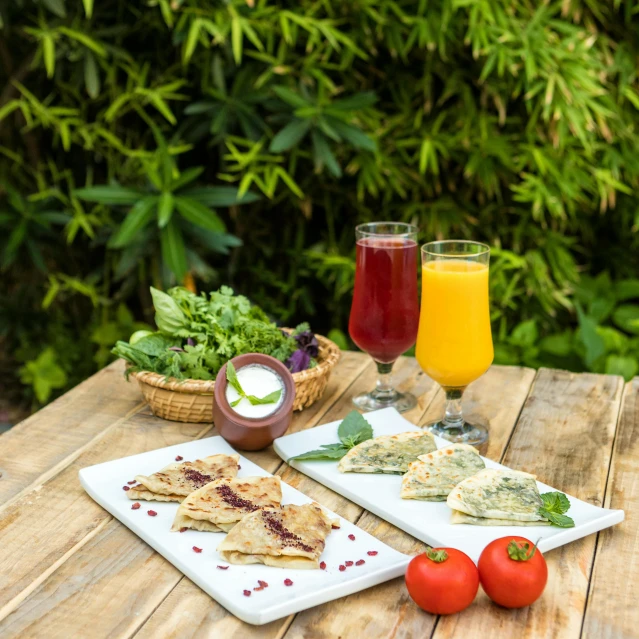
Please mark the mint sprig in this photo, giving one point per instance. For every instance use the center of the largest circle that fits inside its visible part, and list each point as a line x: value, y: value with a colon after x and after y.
x: 353, y: 430
x: 231, y: 378
x: 555, y: 505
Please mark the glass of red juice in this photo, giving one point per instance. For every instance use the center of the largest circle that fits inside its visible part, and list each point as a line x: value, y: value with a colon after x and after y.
x: 385, y: 311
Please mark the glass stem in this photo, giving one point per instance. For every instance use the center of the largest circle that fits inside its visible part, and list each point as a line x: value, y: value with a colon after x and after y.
x: 453, y: 417
x: 384, y: 390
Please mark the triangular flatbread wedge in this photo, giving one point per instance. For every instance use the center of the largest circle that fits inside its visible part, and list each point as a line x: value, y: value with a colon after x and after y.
x: 498, y: 494
x: 177, y: 480
x: 220, y: 505
x: 463, y: 518
x: 288, y: 537
x: 387, y: 453
x: 434, y: 475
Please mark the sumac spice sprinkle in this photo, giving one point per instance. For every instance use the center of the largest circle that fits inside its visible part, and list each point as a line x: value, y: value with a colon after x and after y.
x: 197, y: 478
x: 223, y: 567
x: 351, y: 537
x: 151, y: 513
x: 233, y: 499
x: 262, y: 583
x: 348, y: 563
x: 184, y: 529
x: 135, y: 506
x: 361, y: 562
x: 259, y: 588
x: 247, y: 593
x: 335, y: 527
x: 196, y: 549
x: 342, y: 567
x: 286, y: 536
x: 323, y: 565
x: 179, y: 458
x: 125, y: 488
x: 131, y: 482
x: 372, y: 553
x: 288, y: 582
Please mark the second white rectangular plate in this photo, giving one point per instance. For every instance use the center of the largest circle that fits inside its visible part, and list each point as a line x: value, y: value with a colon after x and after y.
x: 104, y: 483
x: 428, y: 521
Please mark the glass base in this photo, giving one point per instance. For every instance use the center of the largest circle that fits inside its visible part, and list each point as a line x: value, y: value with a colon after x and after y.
x: 465, y: 434
x: 399, y: 401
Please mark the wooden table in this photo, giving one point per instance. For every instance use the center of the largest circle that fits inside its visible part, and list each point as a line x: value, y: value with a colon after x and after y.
x: 68, y: 569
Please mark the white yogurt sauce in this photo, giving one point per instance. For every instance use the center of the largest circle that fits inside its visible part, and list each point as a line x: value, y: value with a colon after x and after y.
x: 260, y: 381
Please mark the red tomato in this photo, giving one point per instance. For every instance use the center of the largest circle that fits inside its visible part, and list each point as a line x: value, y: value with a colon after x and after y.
x: 513, y: 572
x: 442, y: 581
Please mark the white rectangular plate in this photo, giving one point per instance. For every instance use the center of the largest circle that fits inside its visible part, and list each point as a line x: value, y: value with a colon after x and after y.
x: 104, y: 483
x: 428, y: 521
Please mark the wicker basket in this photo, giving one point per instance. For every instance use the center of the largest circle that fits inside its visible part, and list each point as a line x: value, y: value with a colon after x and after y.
x: 191, y: 400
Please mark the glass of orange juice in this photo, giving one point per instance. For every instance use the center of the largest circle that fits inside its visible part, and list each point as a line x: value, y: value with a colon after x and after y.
x: 454, y: 342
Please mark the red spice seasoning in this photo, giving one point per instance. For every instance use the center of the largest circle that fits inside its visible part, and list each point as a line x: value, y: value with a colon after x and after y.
x: 342, y: 568
x: 286, y: 536
x: 348, y: 563
x: 247, y: 593
x: 262, y: 583
x: 372, y: 553
x: 323, y: 565
x: 125, y: 488
x: 361, y: 562
x: 135, y: 506
x: 239, y: 467
x: 233, y: 499
x: 196, y: 549
x: 259, y: 588
x: 335, y: 527
x: 223, y: 567
x: 197, y: 478
x: 288, y: 582
x: 183, y: 529
x: 131, y: 482
x: 151, y: 513
x: 179, y: 458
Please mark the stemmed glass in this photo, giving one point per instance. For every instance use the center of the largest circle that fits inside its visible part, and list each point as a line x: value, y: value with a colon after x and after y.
x: 385, y: 310
x: 454, y: 343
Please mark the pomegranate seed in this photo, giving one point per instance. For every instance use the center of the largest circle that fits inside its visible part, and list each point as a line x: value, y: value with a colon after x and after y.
x: 239, y: 467
x: 351, y: 537
x: 361, y: 562
x: 342, y: 568
x: 151, y: 513
x: 247, y: 593
x: 348, y: 563
x: 323, y: 565
x: 196, y: 549
x: 223, y: 567
x: 288, y: 582
x: 372, y: 553
x: 125, y: 488
x: 135, y: 506
x: 262, y: 583
x: 131, y: 482
x: 179, y: 458
x: 183, y: 529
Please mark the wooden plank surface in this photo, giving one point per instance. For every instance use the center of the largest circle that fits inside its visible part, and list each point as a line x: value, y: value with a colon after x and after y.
x: 564, y: 435
x: 612, y: 609
x: 43, y: 442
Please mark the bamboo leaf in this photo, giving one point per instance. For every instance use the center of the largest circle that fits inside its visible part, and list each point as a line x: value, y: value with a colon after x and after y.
x: 108, y: 194
x: 88, y: 7
x: 48, y: 52
x: 173, y: 250
x: 135, y: 221
x: 165, y: 208
x: 290, y: 135
x: 323, y: 154
x: 199, y: 214
x: 91, y: 75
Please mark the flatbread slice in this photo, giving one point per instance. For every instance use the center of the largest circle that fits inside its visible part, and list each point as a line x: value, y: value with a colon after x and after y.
x: 463, y: 518
x: 218, y: 506
x: 288, y: 537
x: 498, y: 494
x: 434, y: 475
x: 177, y: 480
x: 387, y: 453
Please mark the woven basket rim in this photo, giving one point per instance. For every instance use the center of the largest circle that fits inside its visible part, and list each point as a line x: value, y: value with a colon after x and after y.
x: 329, y: 356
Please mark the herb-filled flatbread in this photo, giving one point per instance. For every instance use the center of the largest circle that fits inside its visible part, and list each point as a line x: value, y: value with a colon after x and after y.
x: 288, y: 537
x: 434, y: 475
x: 387, y: 453
x: 220, y: 505
x: 508, y: 497
x: 175, y: 481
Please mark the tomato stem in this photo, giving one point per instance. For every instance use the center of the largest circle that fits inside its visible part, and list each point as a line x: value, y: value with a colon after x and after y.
x: 520, y: 553
x: 437, y: 555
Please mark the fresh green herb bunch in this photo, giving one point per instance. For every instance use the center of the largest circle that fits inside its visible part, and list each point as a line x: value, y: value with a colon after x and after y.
x: 198, y: 334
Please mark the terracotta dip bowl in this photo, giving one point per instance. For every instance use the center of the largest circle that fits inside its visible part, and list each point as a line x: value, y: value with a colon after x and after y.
x: 249, y: 433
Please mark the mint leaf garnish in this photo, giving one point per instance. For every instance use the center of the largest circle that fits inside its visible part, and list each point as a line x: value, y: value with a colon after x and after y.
x: 231, y: 378
x: 267, y: 399
x: 555, y: 505
x: 328, y: 451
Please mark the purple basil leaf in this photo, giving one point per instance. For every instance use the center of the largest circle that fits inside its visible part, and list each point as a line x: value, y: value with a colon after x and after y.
x: 298, y: 361
x: 190, y: 341
x: 308, y: 343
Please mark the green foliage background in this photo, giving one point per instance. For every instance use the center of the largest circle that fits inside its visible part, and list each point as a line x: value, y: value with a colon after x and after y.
x: 240, y: 141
